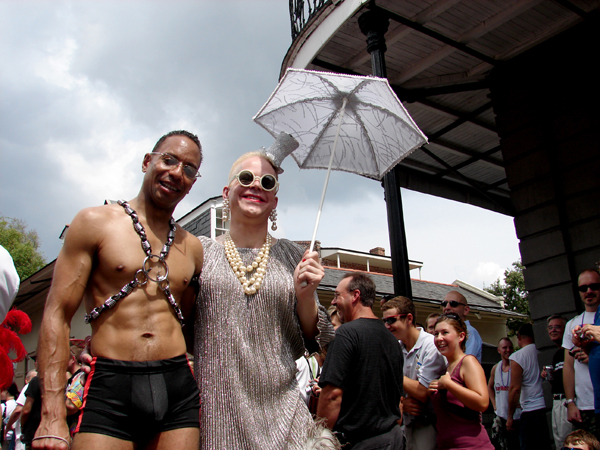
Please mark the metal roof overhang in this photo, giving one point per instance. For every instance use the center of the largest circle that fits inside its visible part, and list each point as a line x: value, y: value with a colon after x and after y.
x: 439, y: 56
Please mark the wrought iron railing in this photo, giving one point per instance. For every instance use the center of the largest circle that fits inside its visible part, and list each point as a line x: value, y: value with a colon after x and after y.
x: 301, y: 11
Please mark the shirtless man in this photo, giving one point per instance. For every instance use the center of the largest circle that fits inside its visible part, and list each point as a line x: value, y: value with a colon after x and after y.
x: 137, y: 344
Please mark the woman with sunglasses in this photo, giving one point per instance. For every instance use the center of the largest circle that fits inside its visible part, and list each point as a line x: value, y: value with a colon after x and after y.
x: 460, y: 396
x: 257, y: 309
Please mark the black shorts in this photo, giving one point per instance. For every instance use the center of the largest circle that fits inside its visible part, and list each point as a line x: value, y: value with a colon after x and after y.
x: 134, y: 401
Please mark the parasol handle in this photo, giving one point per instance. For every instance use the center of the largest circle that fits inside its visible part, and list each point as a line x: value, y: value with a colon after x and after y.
x: 337, y: 134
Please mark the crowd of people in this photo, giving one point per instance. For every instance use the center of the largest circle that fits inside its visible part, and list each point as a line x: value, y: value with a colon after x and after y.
x: 245, y: 306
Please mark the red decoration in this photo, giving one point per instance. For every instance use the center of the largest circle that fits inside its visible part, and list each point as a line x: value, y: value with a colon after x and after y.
x: 15, y: 323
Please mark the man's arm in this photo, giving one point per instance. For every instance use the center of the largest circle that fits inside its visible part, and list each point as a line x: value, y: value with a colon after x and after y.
x: 415, y: 389
x: 329, y: 405
x: 190, y: 294
x: 26, y: 410
x: 188, y: 309
x: 71, y: 274
x: 491, y: 390
x: 569, y: 384
x: 14, y: 417
x: 514, y: 391
x: 310, y: 271
x: 474, y: 343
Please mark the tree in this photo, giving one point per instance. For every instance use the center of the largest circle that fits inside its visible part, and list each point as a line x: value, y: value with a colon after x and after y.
x: 22, y: 245
x: 515, y: 295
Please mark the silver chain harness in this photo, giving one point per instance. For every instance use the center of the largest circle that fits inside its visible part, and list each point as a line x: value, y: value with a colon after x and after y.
x: 142, y: 276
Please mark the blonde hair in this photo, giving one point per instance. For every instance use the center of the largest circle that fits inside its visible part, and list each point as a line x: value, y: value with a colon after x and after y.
x: 234, y: 167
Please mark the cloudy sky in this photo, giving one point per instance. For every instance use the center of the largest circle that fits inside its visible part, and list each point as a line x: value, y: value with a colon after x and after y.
x: 87, y: 87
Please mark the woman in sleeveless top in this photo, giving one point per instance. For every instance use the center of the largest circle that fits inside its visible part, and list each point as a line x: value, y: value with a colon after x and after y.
x: 460, y: 396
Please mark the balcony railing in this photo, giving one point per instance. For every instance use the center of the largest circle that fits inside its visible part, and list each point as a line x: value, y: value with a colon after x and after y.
x: 301, y: 11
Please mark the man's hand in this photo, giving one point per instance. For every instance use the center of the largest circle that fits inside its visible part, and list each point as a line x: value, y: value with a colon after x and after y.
x: 51, y: 443
x: 412, y: 406
x: 574, y: 415
x: 509, y: 424
x: 579, y: 355
x: 591, y: 333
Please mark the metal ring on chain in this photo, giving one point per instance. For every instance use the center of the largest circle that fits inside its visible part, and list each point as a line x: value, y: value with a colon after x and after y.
x: 158, y: 279
x: 164, y: 284
x: 143, y: 275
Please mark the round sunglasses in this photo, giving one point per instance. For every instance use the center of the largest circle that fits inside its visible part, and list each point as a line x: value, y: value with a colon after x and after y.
x: 246, y: 178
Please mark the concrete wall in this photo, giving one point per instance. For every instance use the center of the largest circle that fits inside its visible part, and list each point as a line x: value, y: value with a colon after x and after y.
x: 547, y: 108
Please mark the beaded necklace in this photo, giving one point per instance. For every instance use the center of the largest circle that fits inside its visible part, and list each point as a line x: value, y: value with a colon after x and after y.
x: 142, y: 276
x: 252, y: 284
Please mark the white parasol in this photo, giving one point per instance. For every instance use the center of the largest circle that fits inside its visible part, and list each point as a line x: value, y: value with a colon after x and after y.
x: 342, y: 122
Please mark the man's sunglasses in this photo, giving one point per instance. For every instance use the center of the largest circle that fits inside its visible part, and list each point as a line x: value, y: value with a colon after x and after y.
x: 267, y: 182
x: 392, y: 319
x: 453, y: 303
x: 593, y: 287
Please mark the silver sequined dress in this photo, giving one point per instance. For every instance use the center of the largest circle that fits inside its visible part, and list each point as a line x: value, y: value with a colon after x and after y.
x: 245, y: 348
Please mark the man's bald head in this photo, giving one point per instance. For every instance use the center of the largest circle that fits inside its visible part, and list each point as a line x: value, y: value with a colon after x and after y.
x: 455, y: 302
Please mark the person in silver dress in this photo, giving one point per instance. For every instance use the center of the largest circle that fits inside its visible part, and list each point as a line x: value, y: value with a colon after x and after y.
x: 256, y: 313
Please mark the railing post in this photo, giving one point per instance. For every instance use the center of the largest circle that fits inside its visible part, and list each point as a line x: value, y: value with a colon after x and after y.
x: 374, y: 24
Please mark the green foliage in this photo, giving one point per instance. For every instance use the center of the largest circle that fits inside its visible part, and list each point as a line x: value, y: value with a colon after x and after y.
x: 22, y: 245
x: 515, y: 295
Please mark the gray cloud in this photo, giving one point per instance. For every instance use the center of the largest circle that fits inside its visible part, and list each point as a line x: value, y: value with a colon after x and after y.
x: 92, y: 85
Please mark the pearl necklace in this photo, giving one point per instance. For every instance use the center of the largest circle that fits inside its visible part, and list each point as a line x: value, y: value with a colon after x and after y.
x: 259, y: 264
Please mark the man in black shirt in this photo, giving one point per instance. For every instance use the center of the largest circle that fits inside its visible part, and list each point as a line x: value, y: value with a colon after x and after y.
x: 561, y: 427
x: 31, y: 414
x: 362, y: 376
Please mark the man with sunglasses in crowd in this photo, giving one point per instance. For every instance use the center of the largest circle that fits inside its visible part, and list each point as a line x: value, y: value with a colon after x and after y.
x: 455, y: 302
x: 577, y: 374
x: 361, y: 379
x: 423, y: 363
x: 136, y: 270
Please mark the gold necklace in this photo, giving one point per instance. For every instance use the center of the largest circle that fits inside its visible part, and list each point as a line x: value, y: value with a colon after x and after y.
x: 252, y: 284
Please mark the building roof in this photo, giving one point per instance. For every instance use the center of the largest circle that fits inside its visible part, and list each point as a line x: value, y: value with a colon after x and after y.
x: 427, y: 292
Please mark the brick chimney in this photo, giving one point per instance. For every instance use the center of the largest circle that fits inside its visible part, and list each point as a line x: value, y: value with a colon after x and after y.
x: 306, y: 245
x: 379, y: 251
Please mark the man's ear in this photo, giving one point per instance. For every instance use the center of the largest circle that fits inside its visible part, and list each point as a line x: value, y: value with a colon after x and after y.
x: 467, y: 309
x: 355, y: 296
x: 146, y: 162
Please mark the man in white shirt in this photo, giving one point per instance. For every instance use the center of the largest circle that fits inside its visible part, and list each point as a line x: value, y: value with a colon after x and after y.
x: 576, y: 376
x: 455, y: 302
x: 423, y: 363
x: 16, y: 414
x: 498, y: 385
x: 526, y: 389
